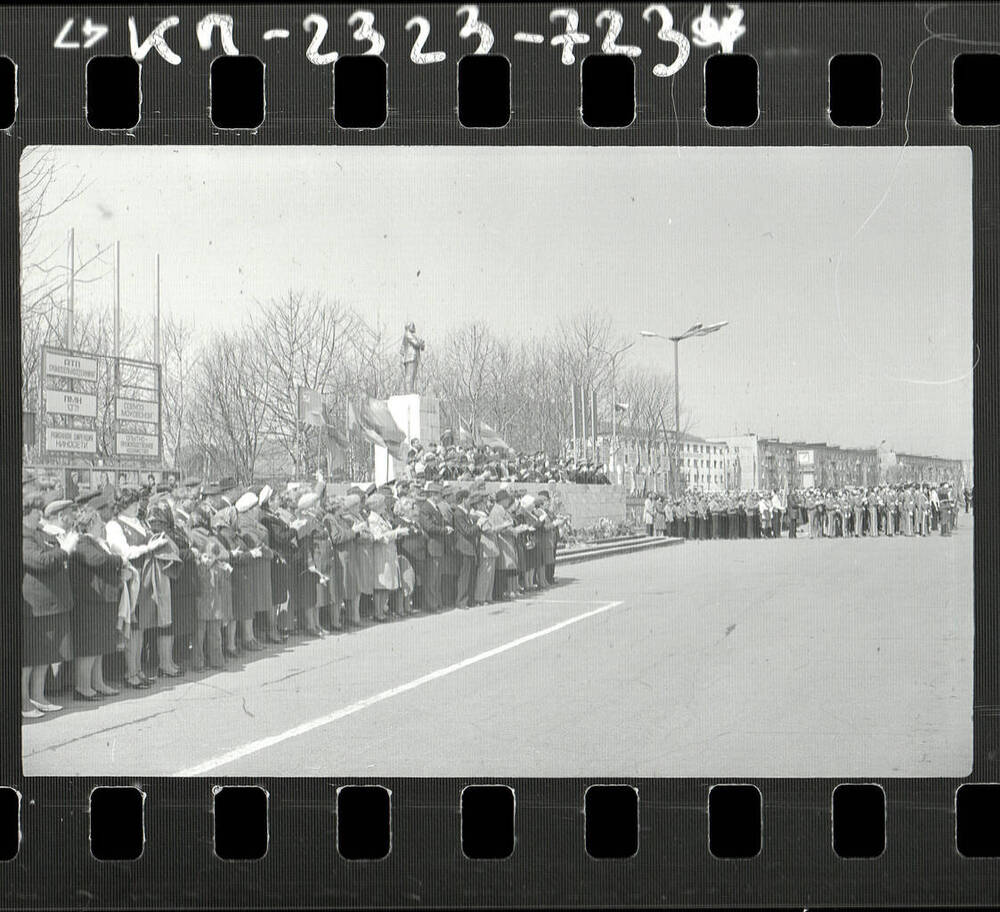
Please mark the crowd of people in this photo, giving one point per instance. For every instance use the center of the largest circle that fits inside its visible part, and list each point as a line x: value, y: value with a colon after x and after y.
x: 885, y: 510
x: 439, y: 462
x: 188, y: 577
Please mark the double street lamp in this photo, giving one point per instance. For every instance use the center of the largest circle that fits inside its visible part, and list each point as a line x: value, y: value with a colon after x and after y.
x: 699, y: 329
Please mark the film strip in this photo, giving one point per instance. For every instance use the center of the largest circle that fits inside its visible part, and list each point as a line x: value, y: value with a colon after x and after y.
x: 712, y: 723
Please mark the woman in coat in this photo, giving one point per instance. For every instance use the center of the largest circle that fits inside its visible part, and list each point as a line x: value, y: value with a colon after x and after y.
x: 129, y: 537
x: 363, y: 551
x: 302, y: 573
x: 549, y: 537
x: 648, y: 512
x: 183, y: 588
x: 96, y: 578
x: 480, y: 512
x: 659, y: 516
x: 386, y: 559
x: 46, y: 600
x: 214, y: 601
x: 502, y: 523
x: 224, y: 524
x: 256, y: 536
x: 527, y: 540
x: 282, y: 542
x: 324, y: 559
x: 163, y: 568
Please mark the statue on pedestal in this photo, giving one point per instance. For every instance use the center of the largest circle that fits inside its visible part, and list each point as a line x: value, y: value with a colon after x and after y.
x: 410, y: 351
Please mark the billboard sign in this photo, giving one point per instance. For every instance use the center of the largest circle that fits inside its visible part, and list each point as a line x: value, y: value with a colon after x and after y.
x: 60, y: 402
x: 70, y: 366
x: 70, y: 440
x: 137, y: 410
x: 137, y: 444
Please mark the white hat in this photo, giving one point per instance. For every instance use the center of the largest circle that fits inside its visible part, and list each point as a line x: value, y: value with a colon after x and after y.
x: 265, y: 494
x: 246, y: 502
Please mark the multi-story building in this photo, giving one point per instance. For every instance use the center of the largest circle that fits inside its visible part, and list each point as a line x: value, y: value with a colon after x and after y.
x: 748, y: 462
x: 758, y: 463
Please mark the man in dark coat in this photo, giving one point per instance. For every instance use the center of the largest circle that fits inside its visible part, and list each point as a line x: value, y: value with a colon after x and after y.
x: 435, y: 529
x: 466, y: 546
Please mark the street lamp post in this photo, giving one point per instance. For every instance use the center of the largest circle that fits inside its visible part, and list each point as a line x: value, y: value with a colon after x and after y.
x: 699, y: 329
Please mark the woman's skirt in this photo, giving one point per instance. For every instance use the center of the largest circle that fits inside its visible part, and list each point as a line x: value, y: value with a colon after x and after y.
x: 242, y: 580
x: 93, y: 627
x: 260, y: 584
x: 508, y: 552
x: 46, y: 639
x: 386, y: 565
x: 279, y: 581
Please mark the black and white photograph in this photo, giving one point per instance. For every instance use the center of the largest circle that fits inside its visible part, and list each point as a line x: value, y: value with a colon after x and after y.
x: 443, y: 461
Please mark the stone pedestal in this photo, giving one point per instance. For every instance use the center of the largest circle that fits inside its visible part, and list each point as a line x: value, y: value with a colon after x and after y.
x: 418, y: 416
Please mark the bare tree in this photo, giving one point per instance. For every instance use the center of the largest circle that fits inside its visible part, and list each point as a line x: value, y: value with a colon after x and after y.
x: 44, y: 270
x: 179, y: 360
x: 302, y: 339
x: 234, y: 402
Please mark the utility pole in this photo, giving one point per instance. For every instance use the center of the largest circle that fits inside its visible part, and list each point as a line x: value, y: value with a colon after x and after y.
x: 156, y: 326
x: 677, y: 419
x: 118, y: 303
x: 71, y: 271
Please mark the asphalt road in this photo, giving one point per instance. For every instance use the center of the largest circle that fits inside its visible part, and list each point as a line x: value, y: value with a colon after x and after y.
x: 721, y: 659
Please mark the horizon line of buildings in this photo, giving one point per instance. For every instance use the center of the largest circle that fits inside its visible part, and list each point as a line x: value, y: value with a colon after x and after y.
x: 747, y: 462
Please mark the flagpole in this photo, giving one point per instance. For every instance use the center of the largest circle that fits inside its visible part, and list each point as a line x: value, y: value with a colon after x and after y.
x: 573, y: 394
x: 298, y: 406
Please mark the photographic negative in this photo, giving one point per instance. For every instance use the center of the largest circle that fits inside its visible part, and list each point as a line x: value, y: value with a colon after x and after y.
x: 429, y: 461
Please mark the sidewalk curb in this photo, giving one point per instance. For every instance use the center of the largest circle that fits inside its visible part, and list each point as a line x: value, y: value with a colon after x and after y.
x: 643, y: 544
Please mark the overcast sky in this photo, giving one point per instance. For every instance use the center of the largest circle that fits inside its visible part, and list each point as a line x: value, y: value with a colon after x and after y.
x: 846, y: 274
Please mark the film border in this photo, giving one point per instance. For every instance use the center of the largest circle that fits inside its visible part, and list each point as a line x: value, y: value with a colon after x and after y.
x: 792, y: 45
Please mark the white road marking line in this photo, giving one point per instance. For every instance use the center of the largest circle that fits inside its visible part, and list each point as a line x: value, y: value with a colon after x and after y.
x: 263, y: 743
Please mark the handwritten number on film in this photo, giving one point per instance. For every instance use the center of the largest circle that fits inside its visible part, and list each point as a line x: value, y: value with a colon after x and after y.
x: 668, y: 33
x: 706, y: 31
x: 313, y: 54
x: 417, y: 53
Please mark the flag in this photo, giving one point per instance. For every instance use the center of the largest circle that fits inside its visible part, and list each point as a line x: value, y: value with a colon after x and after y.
x: 335, y: 441
x: 310, y: 406
x: 489, y: 437
x: 331, y: 431
x: 449, y: 437
x: 375, y: 422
